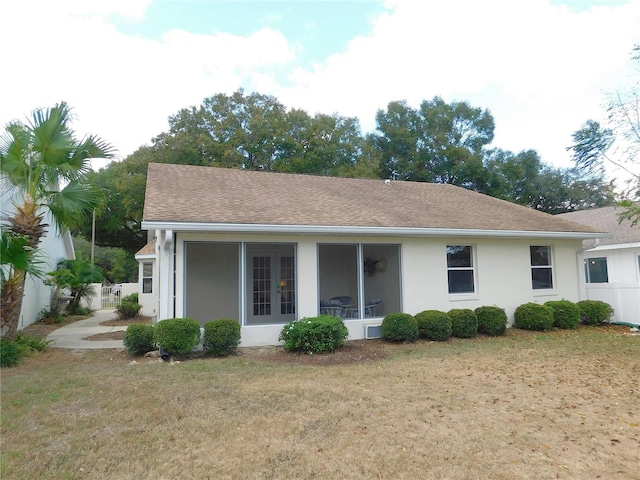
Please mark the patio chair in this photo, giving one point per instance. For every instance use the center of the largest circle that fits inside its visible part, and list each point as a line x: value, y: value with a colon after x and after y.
x: 369, y: 308
x: 331, y: 307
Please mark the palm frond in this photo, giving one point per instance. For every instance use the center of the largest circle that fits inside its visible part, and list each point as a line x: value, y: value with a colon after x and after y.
x: 16, y: 255
x: 52, y: 138
x: 14, y: 153
x: 88, y: 148
x: 74, y: 202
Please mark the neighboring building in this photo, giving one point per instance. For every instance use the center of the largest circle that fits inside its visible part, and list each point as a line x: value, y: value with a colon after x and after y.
x: 611, y: 265
x: 53, y: 248
x: 267, y: 248
x: 147, y: 280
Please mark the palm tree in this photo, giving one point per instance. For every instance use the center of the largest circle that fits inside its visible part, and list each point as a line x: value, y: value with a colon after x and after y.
x: 36, y: 159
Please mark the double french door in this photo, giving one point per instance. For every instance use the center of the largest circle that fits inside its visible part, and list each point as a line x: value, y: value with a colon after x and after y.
x: 271, y: 284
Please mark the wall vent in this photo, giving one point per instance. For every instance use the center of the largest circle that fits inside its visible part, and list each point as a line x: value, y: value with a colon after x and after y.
x: 372, y: 331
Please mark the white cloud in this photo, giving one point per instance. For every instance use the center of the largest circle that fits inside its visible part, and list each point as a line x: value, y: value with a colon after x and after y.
x: 540, y: 69
x: 123, y: 87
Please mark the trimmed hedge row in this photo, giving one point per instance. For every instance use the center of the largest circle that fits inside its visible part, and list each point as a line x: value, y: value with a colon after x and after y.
x: 181, y: 336
x: 491, y: 320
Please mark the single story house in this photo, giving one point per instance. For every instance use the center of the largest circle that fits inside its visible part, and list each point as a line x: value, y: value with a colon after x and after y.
x: 611, y: 265
x: 267, y: 248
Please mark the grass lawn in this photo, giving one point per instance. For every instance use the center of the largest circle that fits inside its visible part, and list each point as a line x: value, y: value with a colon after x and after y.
x: 529, y: 405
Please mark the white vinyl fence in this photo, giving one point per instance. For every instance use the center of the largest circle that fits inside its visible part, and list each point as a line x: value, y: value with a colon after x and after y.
x: 623, y: 297
x: 108, y: 297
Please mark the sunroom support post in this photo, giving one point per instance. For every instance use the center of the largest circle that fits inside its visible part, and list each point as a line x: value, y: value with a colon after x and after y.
x: 166, y: 260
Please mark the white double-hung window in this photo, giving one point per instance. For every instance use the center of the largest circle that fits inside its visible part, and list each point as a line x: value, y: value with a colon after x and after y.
x: 460, y: 269
x: 541, y: 267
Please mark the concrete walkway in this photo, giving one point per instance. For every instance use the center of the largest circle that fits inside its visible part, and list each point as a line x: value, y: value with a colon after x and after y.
x: 71, y: 336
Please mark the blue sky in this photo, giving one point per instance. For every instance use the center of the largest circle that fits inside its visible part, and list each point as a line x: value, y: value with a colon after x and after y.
x: 541, y: 67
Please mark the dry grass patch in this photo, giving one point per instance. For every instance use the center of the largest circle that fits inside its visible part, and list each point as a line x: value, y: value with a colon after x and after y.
x: 528, y: 405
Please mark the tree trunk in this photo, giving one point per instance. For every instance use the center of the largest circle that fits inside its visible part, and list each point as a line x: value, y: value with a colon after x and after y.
x: 27, y: 221
x: 11, y: 305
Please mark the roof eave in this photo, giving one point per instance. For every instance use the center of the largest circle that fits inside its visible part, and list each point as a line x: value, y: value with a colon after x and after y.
x: 360, y: 230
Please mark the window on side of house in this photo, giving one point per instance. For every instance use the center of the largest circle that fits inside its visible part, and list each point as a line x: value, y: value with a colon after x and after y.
x: 147, y: 277
x: 460, y: 270
x: 595, y: 270
x: 541, y: 267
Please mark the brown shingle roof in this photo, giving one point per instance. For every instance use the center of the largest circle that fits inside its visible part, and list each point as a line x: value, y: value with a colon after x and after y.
x: 148, y: 249
x: 606, y: 219
x: 179, y: 193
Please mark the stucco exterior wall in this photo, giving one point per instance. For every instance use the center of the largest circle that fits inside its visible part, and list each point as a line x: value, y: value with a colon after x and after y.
x: 503, y: 274
x: 502, y: 268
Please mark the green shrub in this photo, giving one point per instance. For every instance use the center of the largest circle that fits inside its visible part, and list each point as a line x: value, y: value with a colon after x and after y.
x: 533, y: 316
x: 31, y: 344
x: 434, y: 325
x: 322, y: 334
x: 221, y: 337
x: 464, y: 323
x: 138, y: 339
x: 399, y: 327
x: 133, y: 298
x: 128, y: 309
x: 11, y: 353
x: 594, y: 312
x: 491, y: 320
x: 177, y: 335
x: 566, y: 314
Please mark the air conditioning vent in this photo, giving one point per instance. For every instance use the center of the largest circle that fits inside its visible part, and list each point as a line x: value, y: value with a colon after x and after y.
x: 372, y: 331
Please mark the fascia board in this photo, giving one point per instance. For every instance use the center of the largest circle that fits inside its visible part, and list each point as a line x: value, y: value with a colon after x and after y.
x: 614, y: 246
x: 342, y: 230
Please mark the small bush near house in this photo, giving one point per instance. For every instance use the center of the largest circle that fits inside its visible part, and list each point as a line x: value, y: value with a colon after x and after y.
x: 177, y: 335
x: 594, y: 312
x: 491, y: 320
x: 129, y: 307
x: 533, y: 316
x: 138, y: 339
x: 322, y: 334
x: 566, y: 314
x: 32, y: 344
x: 434, y: 325
x: 399, y: 327
x: 221, y: 337
x: 10, y: 353
x: 464, y: 323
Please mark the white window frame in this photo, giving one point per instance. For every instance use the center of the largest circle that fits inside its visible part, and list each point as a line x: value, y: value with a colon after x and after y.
x: 471, y: 268
x: 587, y: 270
x: 147, y: 277
x: 549, y: 267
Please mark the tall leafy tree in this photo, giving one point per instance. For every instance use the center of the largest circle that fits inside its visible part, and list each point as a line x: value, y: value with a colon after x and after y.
x: 617, y: 143
x: 321, y: 145
x: 524, y: 179
x: 438, y: 142
x: 44, y: 166
x: 118, y: 220
x: 235, y: 131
